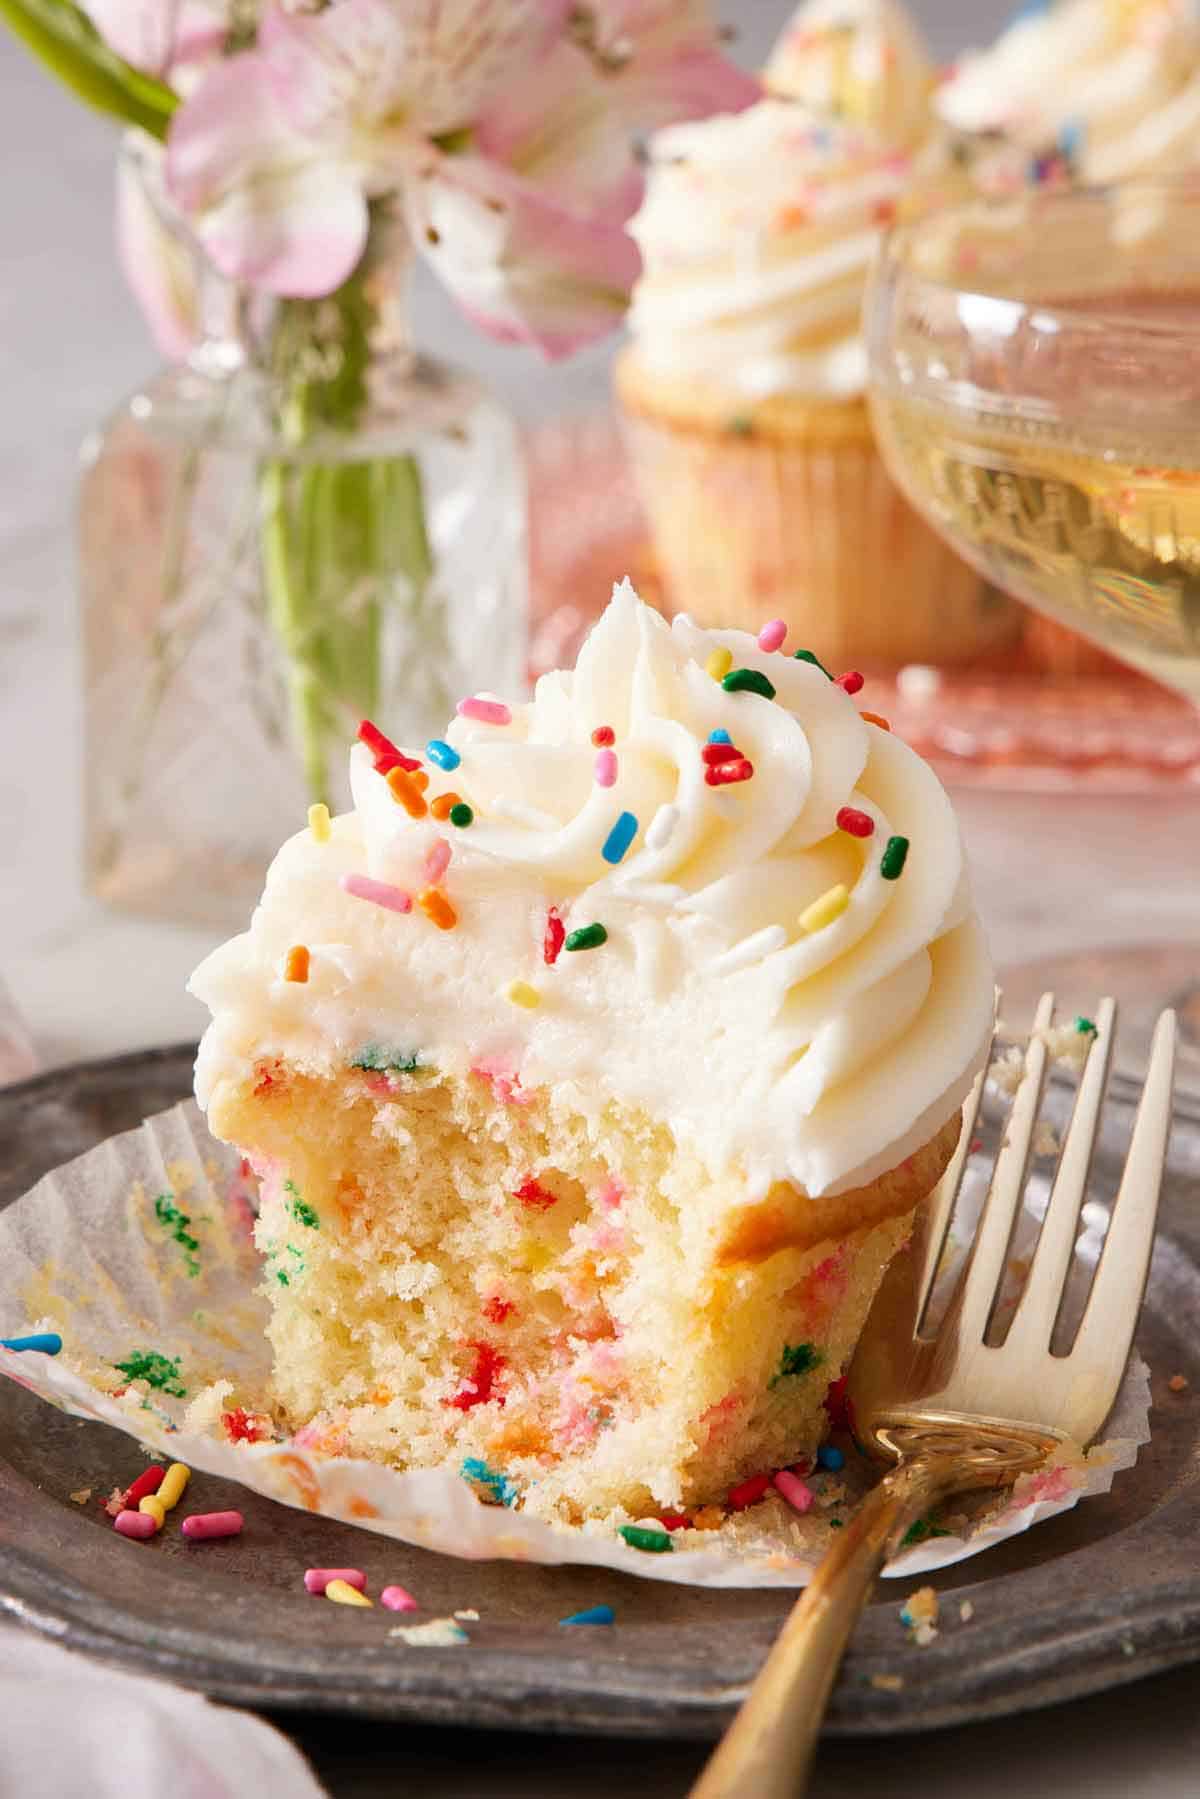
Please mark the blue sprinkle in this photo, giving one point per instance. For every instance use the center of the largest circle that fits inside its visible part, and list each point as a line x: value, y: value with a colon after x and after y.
x: 595, y: 1614
x: 719, y: 737
x: 831, y: 1458
x: 1070, y: 139
x: 498, y: 1485
x: 49, y: 1342
x: 620, y: 837
x: 442, y: 753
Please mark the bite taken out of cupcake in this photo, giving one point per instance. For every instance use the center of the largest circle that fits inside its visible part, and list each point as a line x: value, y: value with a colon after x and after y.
x: 593, y: 1067
x: 743, y: 386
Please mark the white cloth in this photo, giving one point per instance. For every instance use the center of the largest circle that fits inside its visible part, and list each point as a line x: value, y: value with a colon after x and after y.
x: 75, y: 1729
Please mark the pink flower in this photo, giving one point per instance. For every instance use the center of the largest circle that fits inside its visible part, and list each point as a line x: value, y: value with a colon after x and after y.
x: 158, y: 35
x: 158, y: 263
x: 501, y: 129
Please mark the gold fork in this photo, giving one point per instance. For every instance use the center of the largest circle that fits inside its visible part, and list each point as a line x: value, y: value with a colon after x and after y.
x: 951, y: 1411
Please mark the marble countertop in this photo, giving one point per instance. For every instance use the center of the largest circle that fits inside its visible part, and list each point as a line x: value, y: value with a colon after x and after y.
x: 1052, y: 872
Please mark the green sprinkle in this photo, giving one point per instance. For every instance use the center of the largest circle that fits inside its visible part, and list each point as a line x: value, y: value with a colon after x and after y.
x: 461, y: 815
x: 835, y: 1523
x: 377, y: 1059
x: 807, y: 656
x: 895, y: 854
x: 748, y: 680
x: 654, y: 1542
x: 797, y: 1358
x: 299, y: 1208
x: 175, y: 1221
x: 281, y: 1275
x: 159, y: 1371
x: 588, y: 936
x: 741, y: 425
x: 1085, y: 1027
x: 917, y: 1533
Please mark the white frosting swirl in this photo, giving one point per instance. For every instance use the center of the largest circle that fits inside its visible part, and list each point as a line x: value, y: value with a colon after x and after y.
x: 821, y: 1058
x: 1113, y: 86
x: 757, y: 232
x: 862, y: 61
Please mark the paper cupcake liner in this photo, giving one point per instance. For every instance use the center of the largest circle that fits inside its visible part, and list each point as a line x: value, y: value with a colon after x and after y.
x: 140, y: 1255
x: 748, y: 528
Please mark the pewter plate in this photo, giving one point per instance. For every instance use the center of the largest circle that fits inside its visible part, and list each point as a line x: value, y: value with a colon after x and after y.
x: 1094, y: 1598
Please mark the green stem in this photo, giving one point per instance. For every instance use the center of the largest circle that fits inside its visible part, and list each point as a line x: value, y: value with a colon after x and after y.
x: 289, y: 612
x: 64, y: 40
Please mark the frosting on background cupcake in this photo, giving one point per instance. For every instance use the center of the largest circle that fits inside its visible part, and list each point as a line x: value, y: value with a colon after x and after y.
x: 775, y: 978
x: 862, y: 61
x: 1098, y: 90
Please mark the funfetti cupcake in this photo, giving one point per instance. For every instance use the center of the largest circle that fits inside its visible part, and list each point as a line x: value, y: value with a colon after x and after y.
x: 743, y: 388
x: 593, y: 1067
x: 861, y: 61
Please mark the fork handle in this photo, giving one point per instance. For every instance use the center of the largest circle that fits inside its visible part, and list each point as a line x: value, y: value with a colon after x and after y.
x: 769, y: 1746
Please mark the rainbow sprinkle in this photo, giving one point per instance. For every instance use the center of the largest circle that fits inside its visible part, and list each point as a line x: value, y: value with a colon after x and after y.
x: 850, y: 682
x: 296, y: 963
x: 406, y: 792
x: 44, y: 1342
x: 748, y: 680
x: 498, y: 1488
x: 461, y: 815
x: 488, y: 712
x: 772, y: 635
x: 873, y: 718
x: 444, y: 754
x: 797, y: 1492
x: 895, y: 854
x: 553, y: 938
x: 661, y: 827
x: 605, y: 768
x: 319, y: 823
x: 383, y: 749
x: 603, y: 736
x: 594, y: 1614
x: 588, y: 936
x: 522, y: 994
x: 719, y: 664
x: 654, y: 1542
x: 437, y: 860
x: 443, y: 805
x: 823, y: 911
x: 807, y: 656
x: 380, y: 893
x: 719, y: 737
x: 854, y: 822
x: 619, y: 839
x: 728, y: 774
x: 437, y: 908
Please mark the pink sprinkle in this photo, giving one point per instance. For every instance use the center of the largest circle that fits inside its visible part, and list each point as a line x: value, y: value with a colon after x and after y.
x: 798, y: 1493
x: 317, y: 1579
x: 202, y: 1525
x: 437, y: 861
x: 135, y: 1524
x: 606, y: 768
x: 398, y: 1599
x: 378, y: 892
x: 850, y: 682
x: 488, y: 712
x: 611, y: 1194
x: 771, y: 636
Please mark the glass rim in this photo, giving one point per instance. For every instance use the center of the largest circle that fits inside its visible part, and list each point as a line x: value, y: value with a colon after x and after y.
x: 898, y: 242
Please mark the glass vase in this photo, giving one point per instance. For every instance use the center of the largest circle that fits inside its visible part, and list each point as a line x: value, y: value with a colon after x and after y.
x: 304, y: 524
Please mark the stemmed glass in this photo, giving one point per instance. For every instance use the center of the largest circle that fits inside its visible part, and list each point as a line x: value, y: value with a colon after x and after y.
x: 1035, y: 385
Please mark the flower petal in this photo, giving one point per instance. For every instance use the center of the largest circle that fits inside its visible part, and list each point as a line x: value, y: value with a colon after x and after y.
x: 271, y: 207
x: 158, y: 265
x: 155, y: 37
x: 522, y: 265
x: 665, y: 60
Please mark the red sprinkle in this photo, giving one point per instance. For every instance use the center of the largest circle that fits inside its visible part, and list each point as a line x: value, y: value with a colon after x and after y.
x: 850, y: 682
x: 858, y: 824
x: 554, y: 938
x: 241, y: 1426
x: 496, y: 1309
x: 716, y: 753
x: 386, y: 755
x: 532, y: 1193
x: 603, y: 735
x: 479, y: 1386
x: 749, y: 1491
x: 839, y: 1405
x: 725, y: 774
x: 674, y: 1520
x: 147, y: 1482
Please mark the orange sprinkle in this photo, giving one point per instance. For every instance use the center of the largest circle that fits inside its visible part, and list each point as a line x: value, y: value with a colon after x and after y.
x: 440, y: 807
x: 437, y: 907
x: 295, y: 967
x: 419, y: 779
x: 873, y: 718
x: 405, y: 790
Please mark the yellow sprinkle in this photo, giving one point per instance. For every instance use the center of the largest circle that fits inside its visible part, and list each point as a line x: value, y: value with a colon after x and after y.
x: 719, y: 664
x: 170, y: 1487
x: 154, y: 1506
x: 823, y: 911
x: 522, y: 994
x: 318, y: 822
x: 342, y: 1593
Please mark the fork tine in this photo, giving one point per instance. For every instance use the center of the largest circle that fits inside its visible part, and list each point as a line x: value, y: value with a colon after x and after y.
x: 1102, y: 1345
x: 941, y: 1207
x: 981, y: 1278
x: 1033, y: 1321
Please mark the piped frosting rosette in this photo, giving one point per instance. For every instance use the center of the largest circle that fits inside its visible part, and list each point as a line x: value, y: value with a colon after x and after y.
x: 788, y: 970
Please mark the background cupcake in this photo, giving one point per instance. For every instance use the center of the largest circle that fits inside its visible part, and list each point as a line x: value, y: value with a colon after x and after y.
x: 744, y: 382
